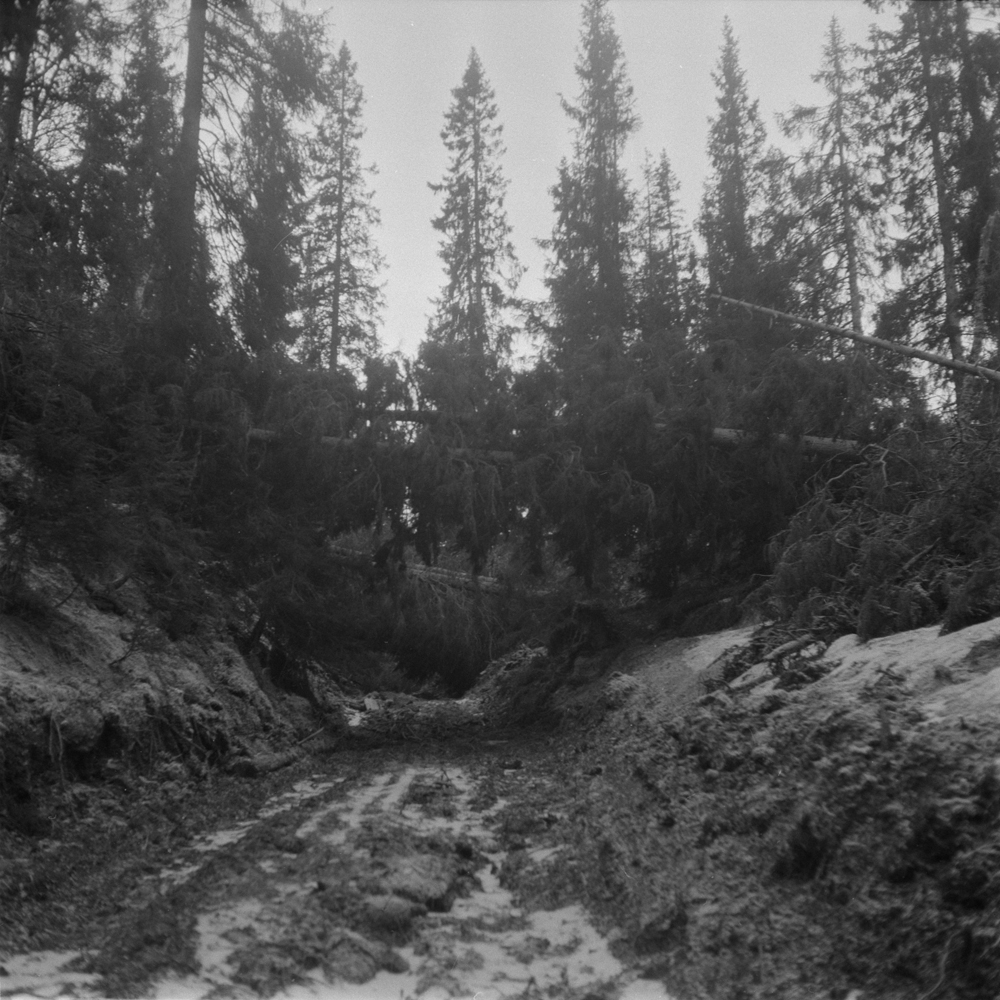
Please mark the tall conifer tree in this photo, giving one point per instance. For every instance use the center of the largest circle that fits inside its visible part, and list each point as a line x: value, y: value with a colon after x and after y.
x: 978, y: 55
x: 146, y: 110
x: 752, y: 244
x: 665, y: 282
x: 915, y: 86
x: 732, y: 205
x: 589, y: 274
x: 266, y: 274
x: 182, y: 234
x: 476, y: 248
x: 268, y: 199
x: 57, y: 124
x: 343, y: 296
x: 833, y: 184
x: 257, y: 75
x: 19, y: 30
x: 933, y: 76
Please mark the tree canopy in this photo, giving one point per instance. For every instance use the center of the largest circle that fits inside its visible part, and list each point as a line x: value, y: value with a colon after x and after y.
x: 191, y: 367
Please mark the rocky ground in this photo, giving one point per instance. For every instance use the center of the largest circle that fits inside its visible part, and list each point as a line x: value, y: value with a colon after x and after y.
x: 742, y: 815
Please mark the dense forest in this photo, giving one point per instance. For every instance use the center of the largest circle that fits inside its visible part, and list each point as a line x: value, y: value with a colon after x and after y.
x: 193, y: 393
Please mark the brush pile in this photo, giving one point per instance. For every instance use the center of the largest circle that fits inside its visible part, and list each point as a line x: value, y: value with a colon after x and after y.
x: 908, y: 537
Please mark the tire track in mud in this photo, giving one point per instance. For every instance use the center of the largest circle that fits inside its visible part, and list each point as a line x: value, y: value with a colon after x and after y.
x: 390, y: 886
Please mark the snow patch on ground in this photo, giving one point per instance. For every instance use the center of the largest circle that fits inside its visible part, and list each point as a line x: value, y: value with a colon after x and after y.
x: 952, y: 678
x: 484, y: 947
x: 357, y: 802
x: 301, y: 791
x: 706, y: 649
x: 44, y: 974
x: 219, y: 936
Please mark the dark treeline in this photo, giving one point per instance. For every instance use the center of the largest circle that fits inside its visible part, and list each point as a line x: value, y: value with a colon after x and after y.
x: 188, y: 250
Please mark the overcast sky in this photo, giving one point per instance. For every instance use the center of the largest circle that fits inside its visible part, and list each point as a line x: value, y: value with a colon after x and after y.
x: 412, y: 53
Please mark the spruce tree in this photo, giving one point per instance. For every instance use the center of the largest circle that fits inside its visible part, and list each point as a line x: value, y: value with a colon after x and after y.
x: 588, y: 277
x: 146, y: 111
x: 19, y: 30
x: 342, y: 297
x: 59, y: 127
x: 979, y: 178
x: 478, y: 255
x: 250, y: 86
x: 915, y: 88
x: 269, y: 218
x: 933, y: 76
x: 181, y: 238
x: 753, y: 240
x: 665, y: 281
x: 604, y: 410
x: 833, y: 185
x: 732, y: 206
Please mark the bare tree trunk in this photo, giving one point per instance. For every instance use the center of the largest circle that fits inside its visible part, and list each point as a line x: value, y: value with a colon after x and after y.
x: 979, y: 327
x: 185, y: 166
x: 981, y: 152
x: 18, y: 30
x: 338, y: 250
x: 979, y: 167
x: 478, y: 330
x: 946, y: 228
x: 850, y: 234
x: 853, y: 284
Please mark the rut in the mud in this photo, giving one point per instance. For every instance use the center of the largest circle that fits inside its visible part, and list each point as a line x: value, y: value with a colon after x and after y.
x: 394, y: 885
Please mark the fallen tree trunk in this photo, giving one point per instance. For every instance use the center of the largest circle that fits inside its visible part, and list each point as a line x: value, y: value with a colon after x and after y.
x: 363, y: 563
x: 979, y: 328
x: 263, y: 763
x: 728, y: 437
x: 725, y: 436
x: 504, y: 457
x: 404, y: 416
x: 453, y: 578
x: 910, y: 352
x: 352, y: 559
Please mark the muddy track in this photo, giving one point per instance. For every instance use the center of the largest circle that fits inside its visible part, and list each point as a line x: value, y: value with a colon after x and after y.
x: 833, y: 838
x: 435, y: 873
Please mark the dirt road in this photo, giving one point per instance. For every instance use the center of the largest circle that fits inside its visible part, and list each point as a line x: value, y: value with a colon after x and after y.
x: 693, y: 825
x: 385, y: 875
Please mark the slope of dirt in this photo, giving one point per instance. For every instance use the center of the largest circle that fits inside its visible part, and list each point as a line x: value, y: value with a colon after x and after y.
x: 84, y: 680
x: 822, y: 823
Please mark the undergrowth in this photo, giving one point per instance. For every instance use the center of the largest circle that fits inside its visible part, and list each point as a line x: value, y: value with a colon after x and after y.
x: 844, y: 844
x: 907, y: 537
x: 119, y: 463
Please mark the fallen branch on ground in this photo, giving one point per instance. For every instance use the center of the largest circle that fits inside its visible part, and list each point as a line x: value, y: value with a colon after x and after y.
x: 352, y: 559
